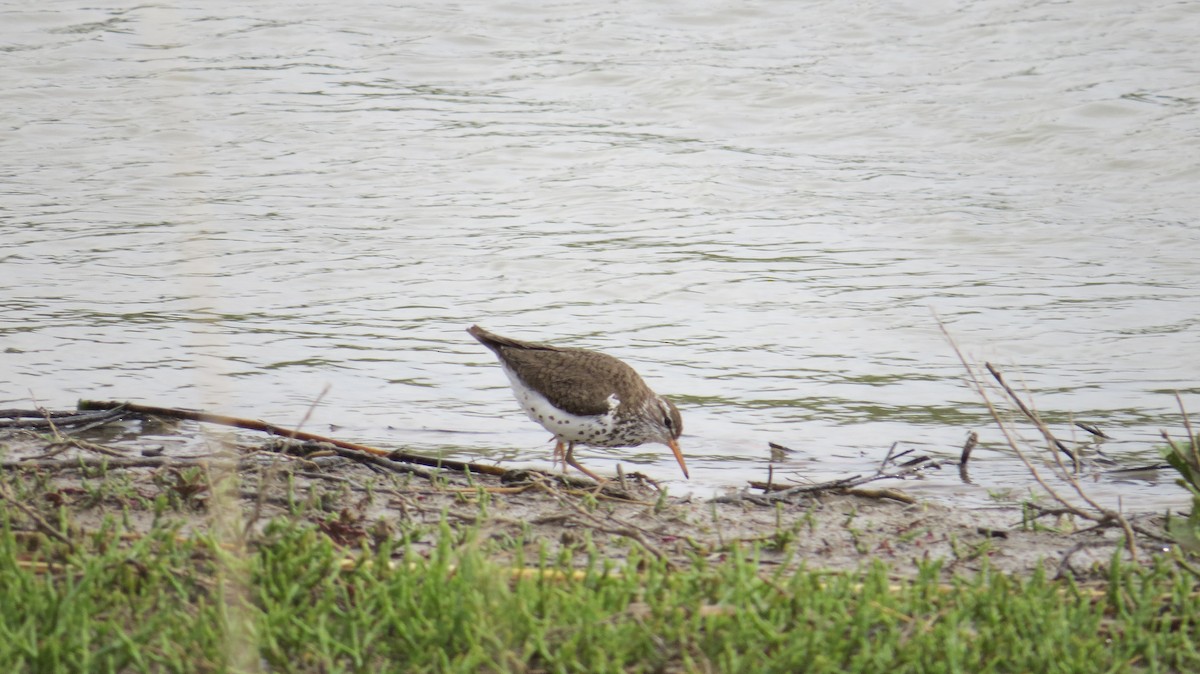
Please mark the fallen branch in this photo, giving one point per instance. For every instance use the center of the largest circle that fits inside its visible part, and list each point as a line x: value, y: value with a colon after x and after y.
x: 61, y: 419
x: 272, y: 429
x: 90, y: 462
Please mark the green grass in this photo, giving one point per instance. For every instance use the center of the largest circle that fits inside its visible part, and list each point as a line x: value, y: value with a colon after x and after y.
x: 1184, y: 457
x: 298, y: 601
x: 165, y: 602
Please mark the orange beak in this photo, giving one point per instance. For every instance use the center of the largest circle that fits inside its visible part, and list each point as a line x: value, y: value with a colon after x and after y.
x: 678, y: 457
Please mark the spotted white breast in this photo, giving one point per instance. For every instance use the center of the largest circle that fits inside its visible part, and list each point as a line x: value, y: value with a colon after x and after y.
x: 588, y: 430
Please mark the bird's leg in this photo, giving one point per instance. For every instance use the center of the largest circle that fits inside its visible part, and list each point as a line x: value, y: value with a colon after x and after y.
x: 559, y: 455
x: 570, y: 459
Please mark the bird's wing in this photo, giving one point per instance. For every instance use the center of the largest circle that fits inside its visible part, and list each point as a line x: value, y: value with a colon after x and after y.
x: 580, y: 382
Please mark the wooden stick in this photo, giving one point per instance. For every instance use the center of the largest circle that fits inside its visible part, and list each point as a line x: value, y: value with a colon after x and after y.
x: 272, y: 429
x: 1034, y: 418
x: 46, y: 419
x: 95, y: 462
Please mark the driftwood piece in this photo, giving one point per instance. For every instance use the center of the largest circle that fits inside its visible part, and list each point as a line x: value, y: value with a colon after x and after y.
x: 92, y: 413
x: 272, y: 429
x: 46, y: 419
x: 95, y: 463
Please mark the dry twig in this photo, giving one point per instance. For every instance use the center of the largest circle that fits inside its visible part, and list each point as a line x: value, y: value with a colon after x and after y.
x: 622, y: 528
x: 33, y: 515
x: 1098, y: 513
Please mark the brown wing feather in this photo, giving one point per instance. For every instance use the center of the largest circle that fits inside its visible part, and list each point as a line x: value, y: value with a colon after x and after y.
x: 494, y: 342
x: 578, y: 380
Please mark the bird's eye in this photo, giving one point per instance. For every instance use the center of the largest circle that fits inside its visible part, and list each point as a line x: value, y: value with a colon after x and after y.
x: 668, y: 423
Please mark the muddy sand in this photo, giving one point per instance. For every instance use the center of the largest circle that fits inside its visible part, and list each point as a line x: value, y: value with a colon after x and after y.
x: 141, y: 468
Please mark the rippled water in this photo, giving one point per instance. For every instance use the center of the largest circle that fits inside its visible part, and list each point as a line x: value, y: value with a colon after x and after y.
x: 759, y: 204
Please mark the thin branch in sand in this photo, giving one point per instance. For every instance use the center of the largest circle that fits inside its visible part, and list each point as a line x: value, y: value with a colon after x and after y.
x: 1102, y: 515
x: 1004, y: 429
x: 33, y: 515
x: 887, y: 457
x: 303, y: 447
x: 781, y: 492
x: 46, y: 415
x: 65, y: 441
x: 1067, y: 475
x: 623, y: 528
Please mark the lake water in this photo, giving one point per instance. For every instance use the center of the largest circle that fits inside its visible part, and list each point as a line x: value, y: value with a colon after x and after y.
x: 760, y: 205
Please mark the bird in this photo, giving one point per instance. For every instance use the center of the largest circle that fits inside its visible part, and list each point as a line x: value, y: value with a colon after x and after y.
x: 584, y: 397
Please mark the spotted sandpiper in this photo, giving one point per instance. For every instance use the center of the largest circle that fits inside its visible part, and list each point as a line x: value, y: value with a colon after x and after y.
x: 584, y: 397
